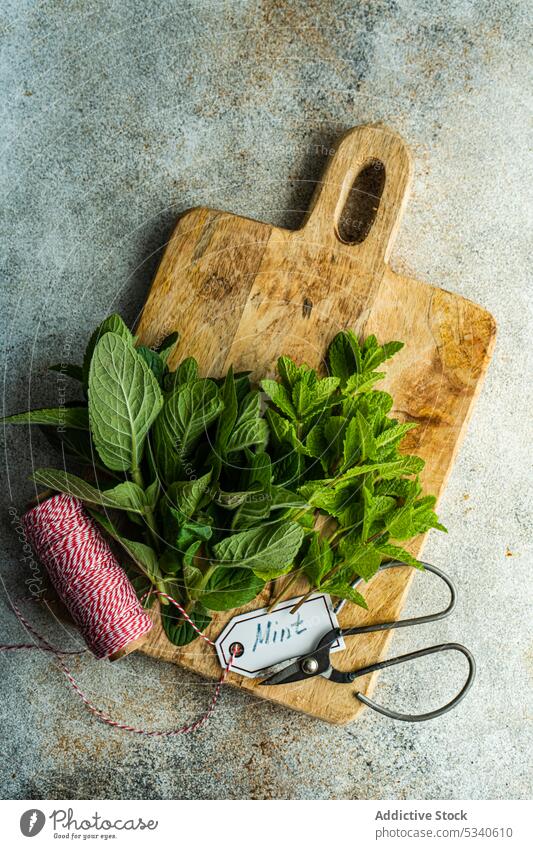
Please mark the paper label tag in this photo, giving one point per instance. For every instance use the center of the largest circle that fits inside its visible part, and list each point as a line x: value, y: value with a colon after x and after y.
x: 271, y: 638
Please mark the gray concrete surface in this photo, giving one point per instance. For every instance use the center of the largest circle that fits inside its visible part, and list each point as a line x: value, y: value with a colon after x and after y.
x: 118, y: 115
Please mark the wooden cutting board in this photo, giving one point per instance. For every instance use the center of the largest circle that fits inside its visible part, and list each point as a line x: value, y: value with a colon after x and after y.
x: 242, y: 292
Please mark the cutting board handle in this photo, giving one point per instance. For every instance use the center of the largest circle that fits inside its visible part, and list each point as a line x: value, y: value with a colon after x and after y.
x: 360, y: 152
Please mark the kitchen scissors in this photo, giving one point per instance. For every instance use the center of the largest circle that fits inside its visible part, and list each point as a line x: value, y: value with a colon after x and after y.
x: 318, y: 661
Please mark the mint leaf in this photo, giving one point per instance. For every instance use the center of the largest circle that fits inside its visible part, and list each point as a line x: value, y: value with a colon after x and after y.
x: 266, y: 550
x: 73, y: 371
x: 184, y: 419
x: 124, y: 401
x: 260, y: 471
x: 414, y: 518
x: 112, y: 324
x: 373, y: 405
x: 394, y: 434
x: 302, y: 398
x: 360, y: 558
x: 258, y: 479
x: 230, y: 587
x: 152, y: 494
x: 192, y: 575
x: 167, y: 347
x: 374, y: 354
x: 288, y: 371
x: 187, y: 372
x: 190, y: 532
x: 375, y: 508
x: 280, y: 397
x: 400, y: 524
x: 344, y: 356
x: 124, y: 496
x: 315, y: 441
x: 76, y: 444
x: 328, y: 499
x: 394, y: 552
x: 228, y: 417
x: 352, y: 444
x: 73, y: 417
x: 364, y: 382
x: 318, y: 561
x: 170, y: 562
x: 142, y: 555
x: 249, y: 406
x: 247, y: 434
x: 185, y: 496
x: 281, y: 430
x: 255, y: 507
x: 342, y: 590
x: 177, y: 629
x: 366, y: 438
x: 284, y: 499
x: 231, y: 500
x: 153, y: 361
x: 407, y: 465
x: 334, y: 433
x: 424, y: 516
x: 322, y: 396
x: 390, y: 469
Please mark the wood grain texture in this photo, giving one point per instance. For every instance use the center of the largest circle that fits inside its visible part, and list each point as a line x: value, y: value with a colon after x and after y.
x: 244, y: 292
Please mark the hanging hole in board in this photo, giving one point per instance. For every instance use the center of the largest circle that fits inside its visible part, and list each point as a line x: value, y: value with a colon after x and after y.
x: 362, y: 203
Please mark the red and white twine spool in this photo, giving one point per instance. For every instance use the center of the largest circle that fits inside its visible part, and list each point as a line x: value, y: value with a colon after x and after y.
x: 86, y: 575
x: 97, y: 593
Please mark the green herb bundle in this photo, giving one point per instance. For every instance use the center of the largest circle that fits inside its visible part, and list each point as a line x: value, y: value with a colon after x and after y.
x: 215, y: 487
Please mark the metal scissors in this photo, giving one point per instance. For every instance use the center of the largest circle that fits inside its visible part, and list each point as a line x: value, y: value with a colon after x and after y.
x: 318, y: 661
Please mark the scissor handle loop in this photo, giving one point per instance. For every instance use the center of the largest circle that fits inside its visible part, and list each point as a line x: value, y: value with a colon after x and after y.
x: 420, y: 717
x: 348, y: 677
x: 417, y: 620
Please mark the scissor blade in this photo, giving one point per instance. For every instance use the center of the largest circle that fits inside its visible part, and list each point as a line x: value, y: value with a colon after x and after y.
x: 269, y: 671
x: 290, y: 672
x: 293, y: 673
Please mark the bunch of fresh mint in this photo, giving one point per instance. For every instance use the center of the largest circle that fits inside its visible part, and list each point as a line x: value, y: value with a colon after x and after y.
x: 214, y: 487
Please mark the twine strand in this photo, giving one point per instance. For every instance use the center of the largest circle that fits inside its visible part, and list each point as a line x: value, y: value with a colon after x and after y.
x: 98, y: 595
x: 101, y: 715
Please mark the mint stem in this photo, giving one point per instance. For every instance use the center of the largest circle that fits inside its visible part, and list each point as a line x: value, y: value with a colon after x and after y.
x: 148, y: 514
x: 277, y: 598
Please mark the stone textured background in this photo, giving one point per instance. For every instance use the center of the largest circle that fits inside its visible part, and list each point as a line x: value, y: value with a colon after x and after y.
x: 117, y: 115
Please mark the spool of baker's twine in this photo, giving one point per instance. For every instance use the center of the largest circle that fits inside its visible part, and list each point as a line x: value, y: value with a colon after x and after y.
x: 98, y: 595
x: 86, y: 575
